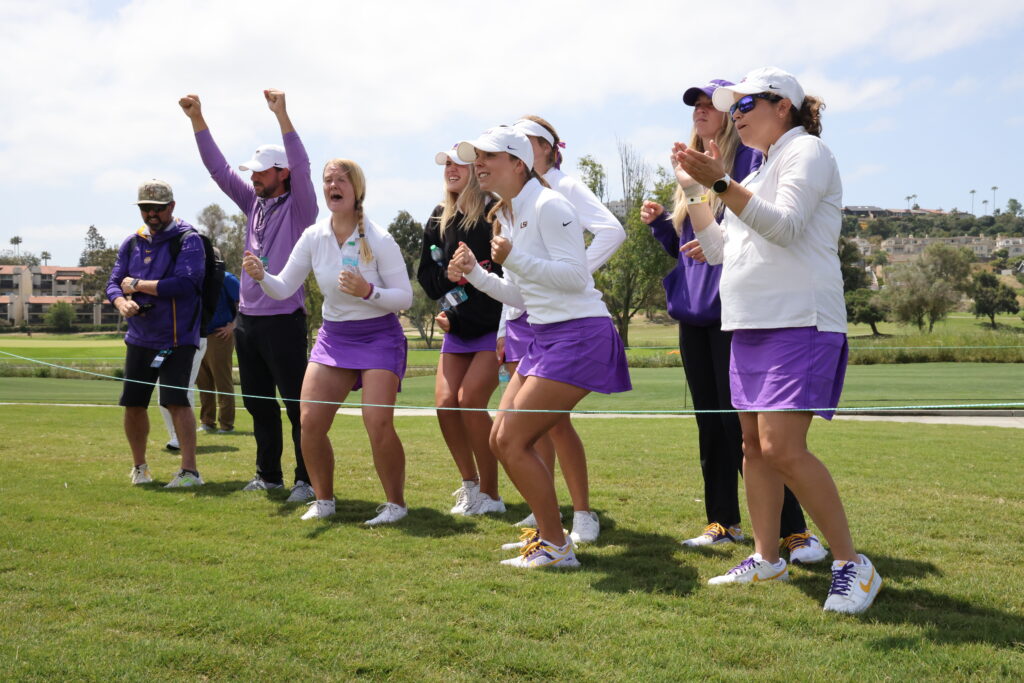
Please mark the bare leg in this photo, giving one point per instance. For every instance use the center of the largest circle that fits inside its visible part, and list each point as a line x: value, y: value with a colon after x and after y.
x: 573, y: 461
x: 321, y: 383
x: 380, y: 387
x: 185, y: 424
x: 545, y: 447
x: 136, y: 428
x: 451, y: 369
x: 764, y: 491
x: 478, y: 384
x: 514, y: 436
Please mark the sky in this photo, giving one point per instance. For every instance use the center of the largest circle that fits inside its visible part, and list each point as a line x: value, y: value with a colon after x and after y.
x: 924, y: 97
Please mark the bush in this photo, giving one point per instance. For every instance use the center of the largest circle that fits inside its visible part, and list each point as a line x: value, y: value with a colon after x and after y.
x: 61, y: 317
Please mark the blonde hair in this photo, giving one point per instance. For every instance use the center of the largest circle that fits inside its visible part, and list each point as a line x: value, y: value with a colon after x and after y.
x: 358, y: 180
x: 471, y: 202
x: 503, y: 207
x: 728, y: 141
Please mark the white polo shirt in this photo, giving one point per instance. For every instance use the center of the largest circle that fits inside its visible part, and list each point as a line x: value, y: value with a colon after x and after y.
x: 781, y: 254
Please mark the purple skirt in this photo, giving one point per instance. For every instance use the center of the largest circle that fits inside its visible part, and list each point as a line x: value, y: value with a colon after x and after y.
x: 788, y: 368
x: 453, y: 343
x: 518, y: 337
x: 373, y: 344
x: 586, y: 352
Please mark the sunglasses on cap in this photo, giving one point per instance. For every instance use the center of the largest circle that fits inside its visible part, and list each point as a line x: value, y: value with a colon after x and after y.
x: 152, y: 208
x: 748, y: 102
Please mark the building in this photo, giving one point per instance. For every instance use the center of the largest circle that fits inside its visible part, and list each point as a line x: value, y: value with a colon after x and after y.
x: 27, y: 292
x: 907, y: 248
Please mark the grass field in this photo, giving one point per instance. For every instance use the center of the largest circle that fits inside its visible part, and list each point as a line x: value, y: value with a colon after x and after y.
x: 102, y: 581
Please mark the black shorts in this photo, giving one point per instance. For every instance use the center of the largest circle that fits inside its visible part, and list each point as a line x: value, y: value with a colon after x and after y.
x: 173, y: 374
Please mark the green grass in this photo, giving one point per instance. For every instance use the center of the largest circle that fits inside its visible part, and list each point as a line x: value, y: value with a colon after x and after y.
x: 658, y: 389
x: 100, y: 580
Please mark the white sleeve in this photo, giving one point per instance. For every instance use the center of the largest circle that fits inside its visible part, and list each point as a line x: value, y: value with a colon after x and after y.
x: 804, y: 178
x: 712, y: 242
x: 599, y: 222
x: 502, y: 320
x: 567, y: 268
x: 496, y: 287
x: 291, y: 277
x: 396, y: 294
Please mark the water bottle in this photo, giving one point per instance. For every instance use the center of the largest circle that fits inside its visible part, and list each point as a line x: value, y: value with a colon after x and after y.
x: 350, y: 256
x: 503, y: 376
x: 436, y: 254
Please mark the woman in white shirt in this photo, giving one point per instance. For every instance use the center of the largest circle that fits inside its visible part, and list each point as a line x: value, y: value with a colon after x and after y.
x: 608, y: 236
x: 782, y: 295
x: 576, y: 350
x: 364, y: 280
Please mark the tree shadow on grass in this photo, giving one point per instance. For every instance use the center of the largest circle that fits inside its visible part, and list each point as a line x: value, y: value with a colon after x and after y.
x: 421, y: 521
x: 943, y: 619
x: 647, y: 562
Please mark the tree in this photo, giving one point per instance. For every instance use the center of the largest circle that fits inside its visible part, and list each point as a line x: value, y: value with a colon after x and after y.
x: 865, y: 307
x: 880, y: 258
x: 1000, y: 258
x: 98, y: 254
x: 8, y: 257
x: 852, y: 265
x: 45, y: 257
x: 408, y: 234
x: 593, y: 176
x: 950, y: 264
x: 1013, y: 208
x: 636, y: 176
x: 914, y: 295
x: 16, y: 241
x: 992, y: 297
x: 314, y: 302
x: 227, y: 234
x: 61, y: 317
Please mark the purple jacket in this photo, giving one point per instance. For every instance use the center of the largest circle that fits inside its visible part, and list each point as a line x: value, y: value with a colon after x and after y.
x: 287, y: 217
x: 691, y: 288
x: 175, y: 316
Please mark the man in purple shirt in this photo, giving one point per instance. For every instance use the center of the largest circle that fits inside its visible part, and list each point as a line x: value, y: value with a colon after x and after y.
x: 270, y: 335
x: 156, y: 284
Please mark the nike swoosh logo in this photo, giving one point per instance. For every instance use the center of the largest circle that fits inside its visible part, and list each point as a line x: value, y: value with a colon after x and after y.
x: 866, y: 587
x: 773, y: 87
x: 565, y: 224
x: 510, y: 148
x: 770, y: 578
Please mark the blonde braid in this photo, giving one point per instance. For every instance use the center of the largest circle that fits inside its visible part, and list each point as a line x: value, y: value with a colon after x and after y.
x: 365, y: 252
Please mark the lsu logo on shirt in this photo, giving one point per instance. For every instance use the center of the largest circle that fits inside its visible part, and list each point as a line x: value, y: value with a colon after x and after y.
x: 522, y: 226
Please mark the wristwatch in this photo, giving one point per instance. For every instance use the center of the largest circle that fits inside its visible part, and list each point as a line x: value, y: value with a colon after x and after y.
x: 722, y: 184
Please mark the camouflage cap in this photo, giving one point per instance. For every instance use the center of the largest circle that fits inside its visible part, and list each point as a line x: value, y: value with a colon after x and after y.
x: 155, y: 192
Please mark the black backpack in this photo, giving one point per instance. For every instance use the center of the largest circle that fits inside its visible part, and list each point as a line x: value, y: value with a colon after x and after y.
x: 213, y: 277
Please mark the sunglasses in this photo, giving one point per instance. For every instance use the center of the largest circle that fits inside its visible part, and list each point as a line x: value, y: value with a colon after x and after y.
x: 748, y: 102
x: 152, y: 208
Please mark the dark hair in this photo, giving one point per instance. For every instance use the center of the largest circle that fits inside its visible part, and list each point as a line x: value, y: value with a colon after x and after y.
x: 808, y: 115
x: 554, y: 154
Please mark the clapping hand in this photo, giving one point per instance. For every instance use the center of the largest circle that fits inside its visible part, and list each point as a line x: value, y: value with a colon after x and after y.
x: 253, y: 266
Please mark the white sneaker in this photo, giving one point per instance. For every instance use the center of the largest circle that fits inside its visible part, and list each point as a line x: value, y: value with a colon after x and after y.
x: 141, y: 475
x: 465, y: 495
x: 531, y: 521
x: 527, y: 537
x: 754, y: 569
x: 173, y: 445
x: 540, y: 553
x: 484, y: 505
x: 585, y: 526
x: 319, y: 509
x: 258, y: 484
x: 301, y: 492
x: 183, y: 480
x: 854, y: 586
x: 804, y: 548
x: 388, y: 513
x: 715, y: 534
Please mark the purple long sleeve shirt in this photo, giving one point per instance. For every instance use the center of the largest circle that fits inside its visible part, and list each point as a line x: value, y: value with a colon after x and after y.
x: 691, y: 288
x: 286, y: 217
x: 175, y: 317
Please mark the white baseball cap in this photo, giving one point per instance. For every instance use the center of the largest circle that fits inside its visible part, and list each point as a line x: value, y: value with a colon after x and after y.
x: 441, y: 158
x: 266, y: 156
x: 768, y: 79
x: 530, y: 127
x: 498, y: 139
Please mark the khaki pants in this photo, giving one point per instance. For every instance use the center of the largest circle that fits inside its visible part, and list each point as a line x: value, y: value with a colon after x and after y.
x: 215, y: 375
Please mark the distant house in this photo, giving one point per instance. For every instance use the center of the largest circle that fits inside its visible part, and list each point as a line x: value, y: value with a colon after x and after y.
x: 27, y: 292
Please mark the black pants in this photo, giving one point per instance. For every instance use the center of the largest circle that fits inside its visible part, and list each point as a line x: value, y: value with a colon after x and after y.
x: 705, y: 353
x: 272, y: 358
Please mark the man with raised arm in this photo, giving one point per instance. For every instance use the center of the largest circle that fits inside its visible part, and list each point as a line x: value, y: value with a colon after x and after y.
x: 270, y: 336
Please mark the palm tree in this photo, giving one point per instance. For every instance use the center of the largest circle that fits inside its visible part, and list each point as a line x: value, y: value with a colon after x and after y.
x: 16, y: 241
x: 913, y: 198
x: 908, y: 201
x: 984, y: 206
x: 972, y: 201
x: 994, y: 188
x: 45, y: 256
